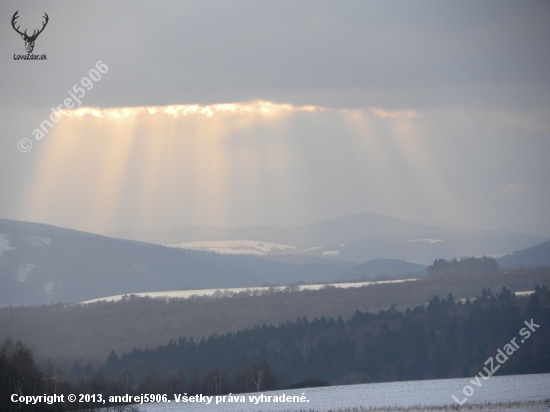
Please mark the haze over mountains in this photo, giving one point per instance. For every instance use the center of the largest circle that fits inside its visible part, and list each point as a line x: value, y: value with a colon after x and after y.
x: 355, y: 238
x: 535, y: 256
x: 46, y: 264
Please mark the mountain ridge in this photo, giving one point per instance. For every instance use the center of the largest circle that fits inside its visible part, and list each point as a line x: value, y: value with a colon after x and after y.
x: 355, y: 238
x: 538, y: 255
x: 46, y: 264
x: 317, y: 231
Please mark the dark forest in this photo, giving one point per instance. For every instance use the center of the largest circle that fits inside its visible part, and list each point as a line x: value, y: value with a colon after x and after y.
x: 443, y: 339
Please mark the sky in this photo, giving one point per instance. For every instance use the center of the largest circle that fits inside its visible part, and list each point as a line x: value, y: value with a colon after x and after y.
x: 244, y: 113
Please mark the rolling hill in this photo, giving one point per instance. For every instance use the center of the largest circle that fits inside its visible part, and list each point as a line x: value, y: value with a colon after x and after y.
x: 46, y: 264
x: 354, y: 238
x: 533, y: 257
x: 392, y: 268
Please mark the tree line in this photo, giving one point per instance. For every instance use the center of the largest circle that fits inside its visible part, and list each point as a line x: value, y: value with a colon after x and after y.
x: 23, y: 374
x: 443, y: 339
x: 463, y: 267
x: 88, y: 333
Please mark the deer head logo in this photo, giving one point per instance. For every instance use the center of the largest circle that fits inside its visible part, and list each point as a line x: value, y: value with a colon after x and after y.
x: 29, y: 40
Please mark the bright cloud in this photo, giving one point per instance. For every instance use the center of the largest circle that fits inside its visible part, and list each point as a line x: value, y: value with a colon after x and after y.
x: 256, y: 107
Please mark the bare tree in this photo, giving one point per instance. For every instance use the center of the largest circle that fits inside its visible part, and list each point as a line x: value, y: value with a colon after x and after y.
x: 258, y: 374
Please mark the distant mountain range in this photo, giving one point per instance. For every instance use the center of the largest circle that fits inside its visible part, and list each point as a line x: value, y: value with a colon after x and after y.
x: 344, y: 229
x: 354, y: 238
x: 46, y: 264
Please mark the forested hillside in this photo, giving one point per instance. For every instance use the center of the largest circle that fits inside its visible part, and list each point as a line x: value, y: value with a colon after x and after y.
x: 533, y: 257
x: 90, y: 332
x: 463, y: 267
x: 442, y: 339
x: 385, y: 269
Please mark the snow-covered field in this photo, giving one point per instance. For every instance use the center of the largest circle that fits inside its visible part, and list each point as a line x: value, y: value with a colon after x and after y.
x: 249, y: 247
x: 409, y: 396
x: 237, y: 247
x: 184, y: 294
x: 174, y: 294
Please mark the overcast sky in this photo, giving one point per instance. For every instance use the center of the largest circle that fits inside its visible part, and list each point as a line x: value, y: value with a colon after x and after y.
x: 435, y: 112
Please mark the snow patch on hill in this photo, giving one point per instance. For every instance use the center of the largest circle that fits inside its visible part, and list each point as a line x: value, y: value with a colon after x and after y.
x: 25, y: 271
x: 5, y: 244
x: 218, y: 293
x: 235, y: 247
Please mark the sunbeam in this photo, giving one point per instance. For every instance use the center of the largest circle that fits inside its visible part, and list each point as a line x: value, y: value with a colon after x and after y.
x: 220, y: 162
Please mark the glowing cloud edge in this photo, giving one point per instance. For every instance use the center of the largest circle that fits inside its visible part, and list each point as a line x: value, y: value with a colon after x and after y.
x: 254, y: 107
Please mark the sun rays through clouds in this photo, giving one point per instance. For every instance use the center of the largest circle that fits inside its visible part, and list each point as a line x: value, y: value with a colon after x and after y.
x: 211, y: 163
